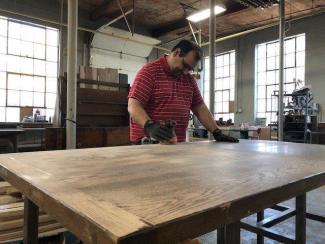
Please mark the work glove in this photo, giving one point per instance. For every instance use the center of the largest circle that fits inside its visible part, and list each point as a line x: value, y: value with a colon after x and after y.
x: 218, y: 136
x: 159, y: 132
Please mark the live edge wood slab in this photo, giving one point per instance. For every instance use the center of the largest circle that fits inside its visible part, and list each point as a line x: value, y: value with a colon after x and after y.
x: 163, y: 193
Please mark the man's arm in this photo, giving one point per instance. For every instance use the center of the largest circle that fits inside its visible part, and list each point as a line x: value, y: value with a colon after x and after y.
x: 137, y: 112
x: 202, y: 112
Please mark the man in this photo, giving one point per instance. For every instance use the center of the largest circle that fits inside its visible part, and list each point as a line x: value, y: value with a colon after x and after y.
x: 164, y: 90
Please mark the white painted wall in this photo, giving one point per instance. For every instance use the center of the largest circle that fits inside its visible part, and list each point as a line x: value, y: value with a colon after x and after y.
x: 126, y: 56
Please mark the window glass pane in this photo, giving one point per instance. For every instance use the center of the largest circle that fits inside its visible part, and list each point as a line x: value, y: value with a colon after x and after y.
x: 261, y: 66
x: 3, y: 44
x: 232, y: 70
x: 14, y: 47
x: 225, y: 107
x: 39, y: 84
x: 218, y: 96
x: 219, y: 61
x: 39, y: 51
x: 290, y: 74
x: 3, y: 62
x: 51, y: 37
x: 50, y: 100
x: 301, y: 73
x: 12, y: 115
x: 38, y: 99
x: 13, y: 64
x: 3, y: 80
x: 271, y: 63
x: 14, y: 30
x: 3, y: 27
x: 26, y: 98
x: 232, y: 58
x: 13, y: 98
x: 219, y: 107
x: 13, y: 81
x: 232, y: 95
x: 261, y: 51
x: 261, y: 78
x: 39, y: 67
x: 219, y: 72
x: 301, y: 42
x: 26, y: 83
x: 261, y: 105
x: 26, y: 49
x: 39, y: 35
x: 26, y: 66
x: 226, y: 60
x: 2, y: 114
x: 301, y: 59
x: 218, y: 84
x: 232, y: 82
x: 290, y: 46
x: 27, y: 33
x: 226, y: 96
x: 226, y: 72
x: 289, y: 60
x: 261, y: 92
x: 51, y: 53
x: 51, y: 84
x: 270, y: 77
x: 2, y: 97
x: 51, y: 69
x: 271, y: 52
x: 225, y: 84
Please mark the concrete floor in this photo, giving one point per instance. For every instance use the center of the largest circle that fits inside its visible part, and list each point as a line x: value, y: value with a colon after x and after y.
x: 315, y: 230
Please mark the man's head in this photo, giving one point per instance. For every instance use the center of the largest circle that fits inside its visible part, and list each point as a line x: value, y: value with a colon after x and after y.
x: 184, y: 57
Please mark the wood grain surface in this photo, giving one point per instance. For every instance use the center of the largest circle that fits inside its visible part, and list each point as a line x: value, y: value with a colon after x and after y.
x: 162, y: 193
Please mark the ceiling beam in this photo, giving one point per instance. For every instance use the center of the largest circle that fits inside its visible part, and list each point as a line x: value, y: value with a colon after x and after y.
x: 109, y: 8
x: 171, y: 26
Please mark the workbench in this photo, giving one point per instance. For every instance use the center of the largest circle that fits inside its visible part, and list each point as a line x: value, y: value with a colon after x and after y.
x: 163, y: 193
x: 11, y: 134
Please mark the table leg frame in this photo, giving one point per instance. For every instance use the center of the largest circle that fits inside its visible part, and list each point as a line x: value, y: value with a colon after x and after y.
x: 263, y: 226
x: 30, y: 222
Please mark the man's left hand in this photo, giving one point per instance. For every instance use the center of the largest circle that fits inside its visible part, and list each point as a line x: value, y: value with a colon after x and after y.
x: 218, y: 136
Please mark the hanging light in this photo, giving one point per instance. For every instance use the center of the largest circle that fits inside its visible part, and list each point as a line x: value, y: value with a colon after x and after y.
x: 204, y: 14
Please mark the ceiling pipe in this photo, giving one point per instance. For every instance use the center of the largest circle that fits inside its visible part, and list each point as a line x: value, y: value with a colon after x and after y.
x: 45, y: 20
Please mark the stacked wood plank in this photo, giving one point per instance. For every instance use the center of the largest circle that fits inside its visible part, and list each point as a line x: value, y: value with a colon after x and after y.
x: 12, y: 220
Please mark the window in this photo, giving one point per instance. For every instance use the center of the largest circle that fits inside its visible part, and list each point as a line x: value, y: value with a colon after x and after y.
x: 267, y: 73
x: 28, y: 68
x: 224, y: 85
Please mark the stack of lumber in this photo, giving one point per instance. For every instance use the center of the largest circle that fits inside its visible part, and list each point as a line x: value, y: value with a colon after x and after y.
x: 12, y: 216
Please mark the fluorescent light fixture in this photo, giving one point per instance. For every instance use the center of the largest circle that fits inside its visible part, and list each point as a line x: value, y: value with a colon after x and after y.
x: 204, y: 14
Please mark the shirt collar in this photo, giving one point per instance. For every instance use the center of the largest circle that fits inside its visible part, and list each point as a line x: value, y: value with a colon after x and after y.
x: 165, y: 65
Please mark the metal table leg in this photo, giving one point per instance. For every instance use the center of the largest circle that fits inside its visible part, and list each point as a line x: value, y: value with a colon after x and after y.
x: 232, y: 233
x: 301, y: 219
x: 30, y: 222
x: 221, y: 236
x: 260, y: 217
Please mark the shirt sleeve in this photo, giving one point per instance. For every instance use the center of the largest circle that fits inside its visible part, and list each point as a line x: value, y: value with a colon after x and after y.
x: 143, y: 85
x: 197, y: 97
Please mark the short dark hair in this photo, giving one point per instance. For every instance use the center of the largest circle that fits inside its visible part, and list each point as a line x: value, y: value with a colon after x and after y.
x: 186, y: 46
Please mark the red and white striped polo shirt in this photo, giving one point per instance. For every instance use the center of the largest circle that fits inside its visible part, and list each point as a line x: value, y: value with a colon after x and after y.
x: 164, y: 97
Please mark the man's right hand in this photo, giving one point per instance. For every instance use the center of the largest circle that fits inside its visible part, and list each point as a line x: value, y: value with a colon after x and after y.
x: 158, y: 132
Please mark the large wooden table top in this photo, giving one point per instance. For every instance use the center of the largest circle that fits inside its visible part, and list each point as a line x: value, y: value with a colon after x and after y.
x: 161, y: 193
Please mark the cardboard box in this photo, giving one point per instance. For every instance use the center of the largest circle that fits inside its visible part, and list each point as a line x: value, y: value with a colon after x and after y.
x: 25, y: 111
x: 109, y: 75
x: 88, y: 73
x: 231, y: 106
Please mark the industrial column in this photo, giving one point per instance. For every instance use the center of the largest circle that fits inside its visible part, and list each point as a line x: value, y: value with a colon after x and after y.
x: 212, y: 36
x: 72, y: 73
x: 281, y: 68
